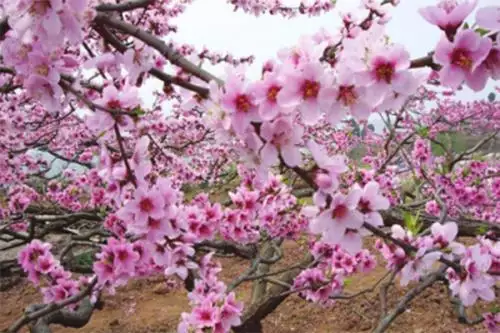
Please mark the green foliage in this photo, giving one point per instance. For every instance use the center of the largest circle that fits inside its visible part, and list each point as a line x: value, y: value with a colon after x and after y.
x: 482, y: 230
x: 85, y: 258
x: 305, y: 201
x: 455, y: 141
x: 138, y: 111
x: 423, y: 131
x: 412, y: 222
x: 482, y: 31
x: 495, y: 308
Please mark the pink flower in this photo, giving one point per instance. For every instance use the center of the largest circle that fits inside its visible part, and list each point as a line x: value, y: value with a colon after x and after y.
x: 43, y: 84
x: 310, y: 90
x: 35, y: 12
x: 489, y: 18
x: 178, y: 261
x: 230, y: 312
x: 124, y: 100
x: 336, y: 222
x: 136, y: 61
x: 490, y: 67
x: 461, y: 58
x: 266, y: 93
x: 371, y: 202
x: 140, y: 161
x: 106, y: 62
x: 492, y: 322
x: 124, y: 257
x: 348, y: 97
x: 421, y: 265
x: 205, y: 315
x: 46, y: 263
x: 103, y: 268
x: 28, y: 257
x: 282, y: 137
x: 476, y: 283
x: 239, y: 101
x: 444, y: 234
x: 331, y: 166
x: 387, y: 72
x: 448, y: 15
x: 146, y: 204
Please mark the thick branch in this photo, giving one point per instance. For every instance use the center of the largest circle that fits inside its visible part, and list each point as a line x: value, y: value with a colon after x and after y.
x: 50, y: 308
x: 124, y: 6
x: 174, y: 57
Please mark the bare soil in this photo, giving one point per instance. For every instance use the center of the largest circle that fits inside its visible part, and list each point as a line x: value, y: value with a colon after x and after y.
x: 146, y: 306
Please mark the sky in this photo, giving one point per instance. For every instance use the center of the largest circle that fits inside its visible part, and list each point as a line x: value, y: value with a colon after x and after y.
x: 213, y: 23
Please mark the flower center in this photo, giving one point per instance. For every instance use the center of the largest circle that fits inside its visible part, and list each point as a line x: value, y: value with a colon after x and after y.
x: 34, y: 255
x: 23, y: 51
x: 461, y: 58
x: 310, y: 89
x: 364, y: 206
x: 243, y: 103
x: 39, y: 7
x: 385, y: 72
x: 146, y: 205
x: 340, y: 211
x: 279, y: 139
x: 347, y: 95
x: 205, y: 316
x: 154, y: 223
x: 122, y: 255
x: 272, y: 93
x: 42, y: 69
x: 114, y: 104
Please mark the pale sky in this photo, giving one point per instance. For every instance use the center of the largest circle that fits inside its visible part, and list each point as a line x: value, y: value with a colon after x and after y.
x: 214, y: 24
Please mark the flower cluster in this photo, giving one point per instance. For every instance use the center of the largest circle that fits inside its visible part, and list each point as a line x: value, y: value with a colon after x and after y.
x: 212, y: 307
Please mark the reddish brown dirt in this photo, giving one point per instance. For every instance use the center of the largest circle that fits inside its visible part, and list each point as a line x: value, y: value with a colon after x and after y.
x: 141, y: 307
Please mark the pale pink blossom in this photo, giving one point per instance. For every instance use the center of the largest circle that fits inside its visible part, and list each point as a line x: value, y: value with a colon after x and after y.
x: 310, y: 90
x: 282, y: 137
x: 335, y: 222
x: 461, y: 58
x: 448, y: 15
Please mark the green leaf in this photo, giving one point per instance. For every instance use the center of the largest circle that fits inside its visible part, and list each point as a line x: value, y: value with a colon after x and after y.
x: 482, y: 230
x: 495, y: 309
x: 423, y: 131
x: 465, y: 172
x: 138, y: 111
x: 466, y: 26
x: 482, y: 31
x: 85, y: 259
x: 347, y: 282
x: 412, y: 222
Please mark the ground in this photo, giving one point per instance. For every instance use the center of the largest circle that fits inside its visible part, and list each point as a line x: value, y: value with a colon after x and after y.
x: 146, y: 306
